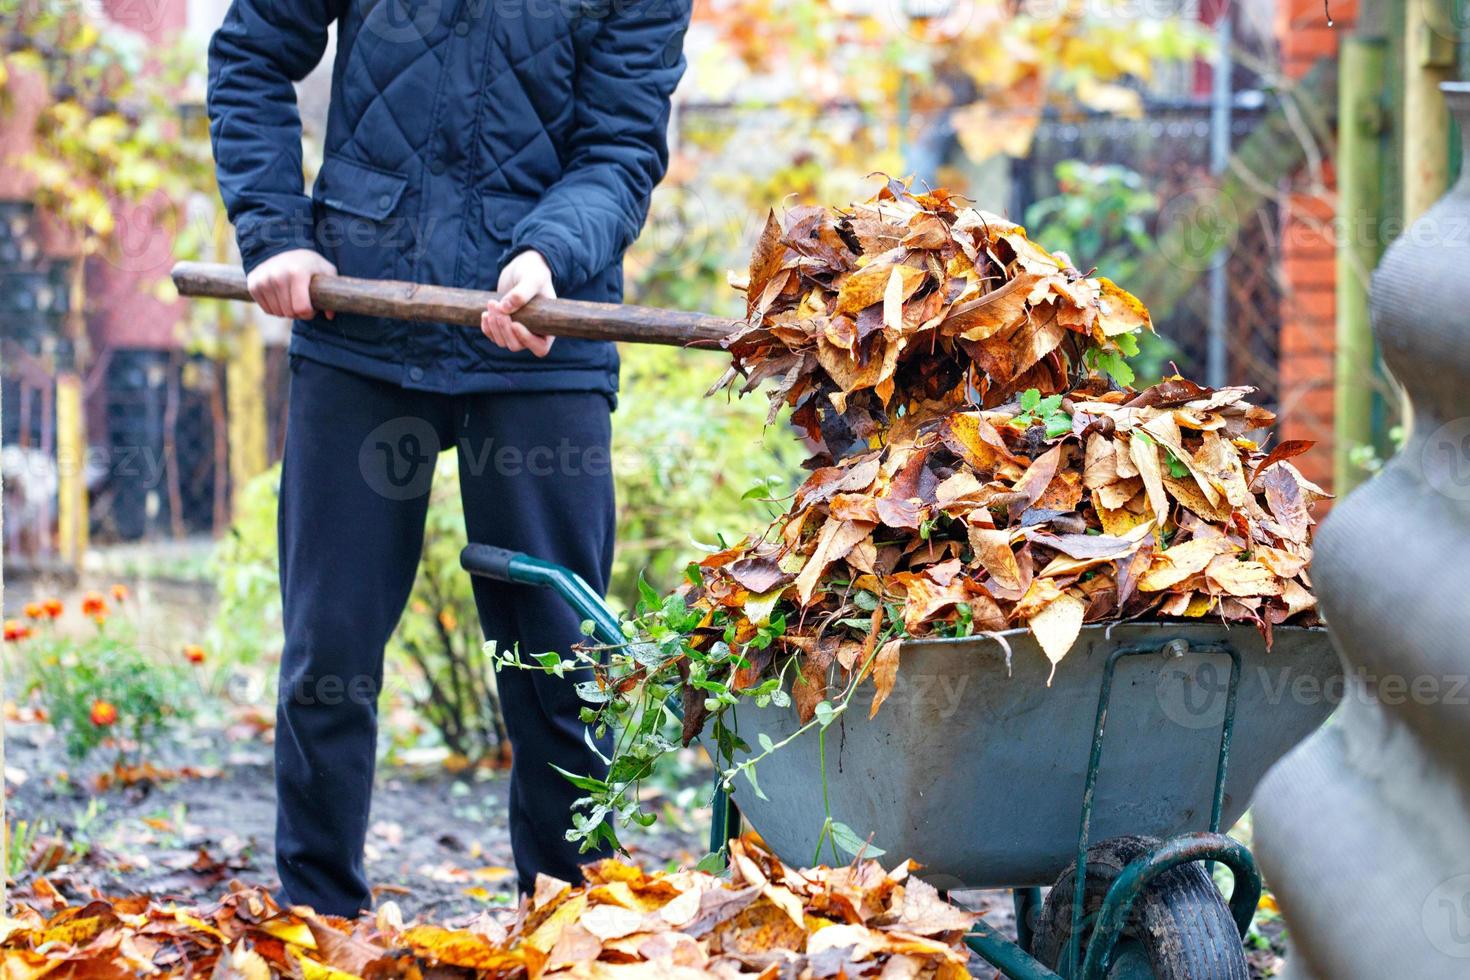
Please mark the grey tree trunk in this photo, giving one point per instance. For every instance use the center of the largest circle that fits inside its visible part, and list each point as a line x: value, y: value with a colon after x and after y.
x: 1364, y: 831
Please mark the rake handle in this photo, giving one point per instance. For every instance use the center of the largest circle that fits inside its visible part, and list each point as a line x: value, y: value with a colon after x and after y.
x: 397, y: 300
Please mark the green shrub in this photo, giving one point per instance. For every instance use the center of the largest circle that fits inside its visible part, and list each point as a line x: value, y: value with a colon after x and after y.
x: 1101, y: 216
x: 683, y: 465
x: 105, y: 689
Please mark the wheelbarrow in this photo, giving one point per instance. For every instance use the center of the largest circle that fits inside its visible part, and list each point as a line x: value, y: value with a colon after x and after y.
x: 980, y: 765
x: 987, y: 772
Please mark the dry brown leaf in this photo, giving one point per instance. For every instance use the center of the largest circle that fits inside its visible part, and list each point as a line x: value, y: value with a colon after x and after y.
x: 885, y: 673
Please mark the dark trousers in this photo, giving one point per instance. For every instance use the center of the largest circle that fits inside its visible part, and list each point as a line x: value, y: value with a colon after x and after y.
x: 536, y: 477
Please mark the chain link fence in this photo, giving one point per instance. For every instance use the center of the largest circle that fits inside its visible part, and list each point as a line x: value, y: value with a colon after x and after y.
x: 1169, y: 147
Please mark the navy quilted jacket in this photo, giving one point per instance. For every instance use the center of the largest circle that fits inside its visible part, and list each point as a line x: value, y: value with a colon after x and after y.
x: 460, y: 133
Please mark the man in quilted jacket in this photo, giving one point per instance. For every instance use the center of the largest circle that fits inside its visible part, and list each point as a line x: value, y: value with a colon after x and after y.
x: 493, y: 144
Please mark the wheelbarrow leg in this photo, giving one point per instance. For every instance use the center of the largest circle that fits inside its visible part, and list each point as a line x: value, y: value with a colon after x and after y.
x: 725, y: 822
x: 1027, y: 901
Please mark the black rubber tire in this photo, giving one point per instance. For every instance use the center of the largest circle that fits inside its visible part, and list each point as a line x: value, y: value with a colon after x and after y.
x: 1181, y: 924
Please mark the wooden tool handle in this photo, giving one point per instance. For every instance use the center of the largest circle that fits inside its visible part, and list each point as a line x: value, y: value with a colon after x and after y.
x: 443, y: 304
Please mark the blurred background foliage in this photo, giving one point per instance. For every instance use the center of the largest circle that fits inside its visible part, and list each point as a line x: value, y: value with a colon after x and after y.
x: 786, y: 102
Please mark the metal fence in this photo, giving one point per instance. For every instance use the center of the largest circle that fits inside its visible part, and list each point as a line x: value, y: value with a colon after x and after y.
x: 163, y: 440
x: 156, y: 460
x: 33, y: 307
x: 1169, y: 146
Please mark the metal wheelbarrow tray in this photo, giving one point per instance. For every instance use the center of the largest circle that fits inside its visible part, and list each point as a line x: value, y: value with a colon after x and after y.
x: 979, y: 772
x: 990, y: 776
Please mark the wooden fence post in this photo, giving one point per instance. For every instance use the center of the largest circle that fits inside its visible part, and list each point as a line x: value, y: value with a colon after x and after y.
x: 1360, y: 157
x: 71, y: 477
x: 245, y: 398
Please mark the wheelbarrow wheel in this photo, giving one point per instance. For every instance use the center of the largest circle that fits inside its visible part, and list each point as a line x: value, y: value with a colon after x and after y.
x: 1179, y: 929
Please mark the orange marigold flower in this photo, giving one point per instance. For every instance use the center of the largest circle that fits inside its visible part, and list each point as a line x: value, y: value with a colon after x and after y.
x: 194, y: 653
x: 448, y: 620
x: 93, y: 604
x: 52, y: 608
x: 34, y: 610
x: 100, y: 619
x: 103, y: 713
x: 120, y: 592
x: 16, y: 630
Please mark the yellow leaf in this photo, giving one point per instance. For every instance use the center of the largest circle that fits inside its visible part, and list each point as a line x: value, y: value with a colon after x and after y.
x: 242, y: 964
x: 312, y: 970
x: 548, y: 932
x: 1120, y: 311
x: 893, y: 301
x: 1056, y: 627
x: 492, y: 872
x: 1173, y: 565
x: 290, y: 930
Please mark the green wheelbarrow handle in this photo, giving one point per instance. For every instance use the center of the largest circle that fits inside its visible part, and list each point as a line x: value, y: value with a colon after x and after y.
x: 518, y: 568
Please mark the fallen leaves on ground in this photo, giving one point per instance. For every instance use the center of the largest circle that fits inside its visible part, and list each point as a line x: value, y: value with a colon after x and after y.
x: 764, y: 919
x: 979, y: 461
x: 124, y: 774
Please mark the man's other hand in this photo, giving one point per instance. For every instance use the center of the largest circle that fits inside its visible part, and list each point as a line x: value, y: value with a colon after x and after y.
x: 282, y: 283
x: 524, y: 277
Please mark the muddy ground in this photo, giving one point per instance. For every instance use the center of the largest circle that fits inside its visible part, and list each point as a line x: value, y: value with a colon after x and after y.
x: 438, y: 843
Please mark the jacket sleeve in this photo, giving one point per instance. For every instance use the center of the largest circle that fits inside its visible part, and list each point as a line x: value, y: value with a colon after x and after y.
x: 254, y: 126
x: 619, y: 148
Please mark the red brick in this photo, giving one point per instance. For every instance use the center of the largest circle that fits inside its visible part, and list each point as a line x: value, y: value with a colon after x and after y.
x: 1306, y: 370
x: 1298, y: 339
x: 1318, y: 403
x: 1311, y: 42
x: 1313, y: 207
x: 1316, y: 269
x: 1298, y: 14
x: 1320, y: 304
x: 1301, y: 241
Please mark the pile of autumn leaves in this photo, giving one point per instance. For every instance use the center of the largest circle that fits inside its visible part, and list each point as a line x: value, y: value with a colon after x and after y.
x: 765, y: 919
x: 977, y: 466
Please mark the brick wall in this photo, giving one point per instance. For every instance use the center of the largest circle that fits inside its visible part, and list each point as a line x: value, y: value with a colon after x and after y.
x: 1308, y: 249
x: 122, y: 308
